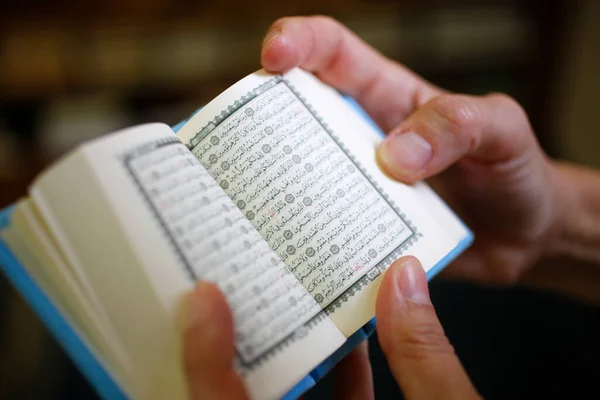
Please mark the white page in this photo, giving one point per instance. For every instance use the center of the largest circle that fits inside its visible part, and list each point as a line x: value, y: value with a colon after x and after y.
x: 182, y: 227
x: 30, y: 244
x: 289, y: 152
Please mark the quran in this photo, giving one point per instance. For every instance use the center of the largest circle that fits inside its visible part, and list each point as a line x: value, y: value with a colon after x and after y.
x: 272, y: 191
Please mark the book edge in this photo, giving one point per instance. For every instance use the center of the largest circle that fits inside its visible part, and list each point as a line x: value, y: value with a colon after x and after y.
x: 367, y: 330
x: 53, y: 320
x: 95, y: 373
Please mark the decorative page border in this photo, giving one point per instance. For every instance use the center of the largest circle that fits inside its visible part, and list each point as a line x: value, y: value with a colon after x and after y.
x: 244, y: 365
x: 386, y: 261
x: 126, y: 160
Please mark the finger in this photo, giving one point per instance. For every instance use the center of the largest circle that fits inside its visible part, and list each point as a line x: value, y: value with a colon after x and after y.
x: 493, y: 130
x: 209, y: 347
x: 352, y: 377
x: 421, y: 359
x: 388, y: 91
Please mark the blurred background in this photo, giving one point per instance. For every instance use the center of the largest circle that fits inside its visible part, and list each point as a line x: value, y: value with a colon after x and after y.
x: 73, y: 70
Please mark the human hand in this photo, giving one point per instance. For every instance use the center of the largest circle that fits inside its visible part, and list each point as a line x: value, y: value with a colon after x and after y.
x: 419, y: 354
x: 479, y: 153
x: 209, y: 354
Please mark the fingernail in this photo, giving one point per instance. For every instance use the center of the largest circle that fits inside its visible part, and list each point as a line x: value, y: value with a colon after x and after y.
x: 199, y: 306
x: 404, y: 154
x: 270, y: 37
x: 412, y: 282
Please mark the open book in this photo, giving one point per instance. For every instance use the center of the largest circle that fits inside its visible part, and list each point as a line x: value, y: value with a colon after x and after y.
x: 271, y: 190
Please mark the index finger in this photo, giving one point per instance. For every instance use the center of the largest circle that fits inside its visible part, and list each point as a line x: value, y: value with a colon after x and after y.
x: 387, y: 90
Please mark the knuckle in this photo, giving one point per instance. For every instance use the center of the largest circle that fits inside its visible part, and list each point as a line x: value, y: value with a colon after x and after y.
x: 325, y: 19
x: 514, y: 109
x: 459, y: 110
x: 463, y: 115
x: 508, y: 100
x: 330, y: 25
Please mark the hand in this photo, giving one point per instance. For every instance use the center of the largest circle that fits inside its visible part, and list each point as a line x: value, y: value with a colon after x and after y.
x: 419, y: 354
x: 479, y: 153
x: 209, y: 354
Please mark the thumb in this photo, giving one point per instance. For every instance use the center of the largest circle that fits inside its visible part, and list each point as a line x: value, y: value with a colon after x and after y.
x: 421, y: 359
x: 489, y: 129
x: 209, y: 347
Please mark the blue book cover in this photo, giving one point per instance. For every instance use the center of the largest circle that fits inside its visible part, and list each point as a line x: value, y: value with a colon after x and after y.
x: 92, y: 369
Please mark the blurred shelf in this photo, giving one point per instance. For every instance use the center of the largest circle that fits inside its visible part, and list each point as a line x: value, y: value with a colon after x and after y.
x: 158, y: 60
x: 189, y: 47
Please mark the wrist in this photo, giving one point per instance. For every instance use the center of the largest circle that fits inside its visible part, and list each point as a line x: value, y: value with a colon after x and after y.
x: 577, y: 215
x: 570, y: 256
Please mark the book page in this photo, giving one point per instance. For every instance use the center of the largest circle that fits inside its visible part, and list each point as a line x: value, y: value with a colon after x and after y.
x: 214, y: 241
x: 31, y: 245
x: 284, y: 151
x: 171, y: 216
x: 428, y: 198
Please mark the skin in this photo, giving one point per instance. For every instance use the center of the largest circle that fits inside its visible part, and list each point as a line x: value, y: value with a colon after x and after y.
x: 481, y: 155
x: 420, y: 356
x: 491, y: 162
x: 478, y: 152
